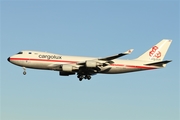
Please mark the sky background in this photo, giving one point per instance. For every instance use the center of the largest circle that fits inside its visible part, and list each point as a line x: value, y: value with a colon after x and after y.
x: 96, y: 29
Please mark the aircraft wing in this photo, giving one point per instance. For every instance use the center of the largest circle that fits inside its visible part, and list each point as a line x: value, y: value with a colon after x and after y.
x: 87, y: 67
x: 105, y: 60
x: 116, y: 56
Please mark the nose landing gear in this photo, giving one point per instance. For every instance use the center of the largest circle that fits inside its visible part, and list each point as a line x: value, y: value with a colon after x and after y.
x: 24, y: 73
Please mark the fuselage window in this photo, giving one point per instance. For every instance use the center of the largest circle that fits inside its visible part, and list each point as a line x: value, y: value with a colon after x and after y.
x: 20, y: 53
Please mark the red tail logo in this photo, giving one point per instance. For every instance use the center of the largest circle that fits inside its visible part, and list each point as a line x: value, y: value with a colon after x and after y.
x: 154, y: 49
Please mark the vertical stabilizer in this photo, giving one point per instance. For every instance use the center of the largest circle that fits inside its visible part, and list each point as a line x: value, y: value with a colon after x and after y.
x: 157, y: 52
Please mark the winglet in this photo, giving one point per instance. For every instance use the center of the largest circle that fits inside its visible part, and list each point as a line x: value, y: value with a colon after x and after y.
x: 129, y: 51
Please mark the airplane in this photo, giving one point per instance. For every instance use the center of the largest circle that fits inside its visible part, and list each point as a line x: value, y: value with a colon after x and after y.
x: 85, y: 67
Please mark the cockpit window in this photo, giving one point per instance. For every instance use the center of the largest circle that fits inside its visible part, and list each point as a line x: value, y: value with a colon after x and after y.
x: 30, y: 53
x: 20, y: 53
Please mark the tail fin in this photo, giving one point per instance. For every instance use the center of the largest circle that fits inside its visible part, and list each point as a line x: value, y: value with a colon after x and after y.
x: 157, y: 52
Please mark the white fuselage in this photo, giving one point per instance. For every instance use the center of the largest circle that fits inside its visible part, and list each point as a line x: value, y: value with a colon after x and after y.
x: 47, y: 61
x: 85, y: 67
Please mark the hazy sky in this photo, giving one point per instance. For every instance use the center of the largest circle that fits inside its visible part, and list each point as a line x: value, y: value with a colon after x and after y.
x: 96, y: 29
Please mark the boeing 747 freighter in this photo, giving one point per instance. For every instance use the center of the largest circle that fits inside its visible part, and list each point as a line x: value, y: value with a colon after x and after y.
x: 85, y: 67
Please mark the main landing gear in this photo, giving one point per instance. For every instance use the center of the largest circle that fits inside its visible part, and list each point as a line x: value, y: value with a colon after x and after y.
x: 24, y: 73
x: 81, y: 77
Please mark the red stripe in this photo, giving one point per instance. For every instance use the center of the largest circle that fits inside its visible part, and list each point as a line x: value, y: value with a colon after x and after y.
x: 46, y: 60
x: 140, y: 67
x: 117, y: 65
x: 43, y: 60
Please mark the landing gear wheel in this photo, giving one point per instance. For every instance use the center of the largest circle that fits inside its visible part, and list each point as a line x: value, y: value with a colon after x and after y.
x: 88, y: 77
x: 80, y: 79
x: 24, y: 73
x: 83, y: 76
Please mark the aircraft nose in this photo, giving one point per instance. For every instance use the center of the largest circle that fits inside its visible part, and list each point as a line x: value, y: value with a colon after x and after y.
x: 8, y: 59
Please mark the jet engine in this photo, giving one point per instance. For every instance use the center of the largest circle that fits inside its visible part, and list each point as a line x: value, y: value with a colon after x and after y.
x: 68, y: 68
x: 92, y: 64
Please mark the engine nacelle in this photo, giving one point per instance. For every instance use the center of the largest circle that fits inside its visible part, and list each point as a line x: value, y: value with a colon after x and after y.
x: 92, y: 64
x: 62, y: 73
x: 68, y: 68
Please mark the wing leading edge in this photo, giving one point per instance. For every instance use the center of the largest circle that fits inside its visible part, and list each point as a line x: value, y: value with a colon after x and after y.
x: 116, y: 56
x: 107, y: 59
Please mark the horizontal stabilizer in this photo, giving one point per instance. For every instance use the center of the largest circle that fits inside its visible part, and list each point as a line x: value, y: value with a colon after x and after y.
x: 161, y: 63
